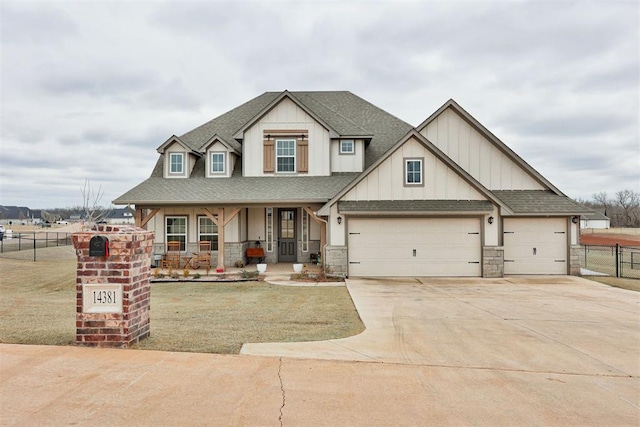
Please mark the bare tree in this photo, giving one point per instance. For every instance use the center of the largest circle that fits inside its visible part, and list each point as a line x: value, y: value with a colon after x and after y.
x: 91, y: 199
x: 602, y: 198
x: 629, y: 202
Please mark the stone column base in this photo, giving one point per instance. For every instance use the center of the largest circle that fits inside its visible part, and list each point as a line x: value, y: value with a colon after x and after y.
x: 492, y: 261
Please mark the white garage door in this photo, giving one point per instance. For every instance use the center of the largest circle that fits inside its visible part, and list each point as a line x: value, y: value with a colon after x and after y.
x: 414, y: 247
x: 535, y: 246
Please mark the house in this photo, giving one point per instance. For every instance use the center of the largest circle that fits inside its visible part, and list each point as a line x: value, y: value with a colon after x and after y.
x: 328, y: 174
x: 595, y: 220
x: 119, y: 216
x: 14, y: 215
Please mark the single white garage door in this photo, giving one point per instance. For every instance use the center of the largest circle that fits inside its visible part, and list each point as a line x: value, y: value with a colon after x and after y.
x: 535, y: 246
x: 414, y: 247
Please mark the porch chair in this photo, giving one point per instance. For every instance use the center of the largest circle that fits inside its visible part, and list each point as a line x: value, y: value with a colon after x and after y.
x: 203, y: 257
x: 172, y: 257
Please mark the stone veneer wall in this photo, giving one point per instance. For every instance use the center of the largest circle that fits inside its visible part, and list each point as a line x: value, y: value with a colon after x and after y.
x: 336, y: 259
x: 575, y: 255
x: 492, y: 261
x: 128, y: 264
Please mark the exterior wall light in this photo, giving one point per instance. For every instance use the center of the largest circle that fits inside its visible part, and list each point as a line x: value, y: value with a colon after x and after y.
x: 575, y: 220
x: 490, y: 219
x: 339, y: 220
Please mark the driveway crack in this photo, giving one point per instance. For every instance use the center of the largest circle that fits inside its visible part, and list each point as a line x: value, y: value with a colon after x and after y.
x: 281, y: 390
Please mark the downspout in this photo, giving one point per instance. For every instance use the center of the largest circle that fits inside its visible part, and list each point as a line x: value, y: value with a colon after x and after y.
x: 326, y: 229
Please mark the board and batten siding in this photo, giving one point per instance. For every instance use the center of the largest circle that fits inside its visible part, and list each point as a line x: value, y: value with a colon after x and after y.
x: 476, y: 154
x: 286, y: 115
x: 386, y: 182
x: 347, y: 162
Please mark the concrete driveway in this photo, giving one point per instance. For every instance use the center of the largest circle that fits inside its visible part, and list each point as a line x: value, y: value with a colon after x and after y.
x: 544, y: 351
x: 544, y: 324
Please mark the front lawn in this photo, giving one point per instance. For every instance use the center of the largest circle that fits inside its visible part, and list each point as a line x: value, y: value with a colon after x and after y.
x: 37, y: 306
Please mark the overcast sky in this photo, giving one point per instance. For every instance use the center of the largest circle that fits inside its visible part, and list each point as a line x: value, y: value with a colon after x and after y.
x: 90, y: 89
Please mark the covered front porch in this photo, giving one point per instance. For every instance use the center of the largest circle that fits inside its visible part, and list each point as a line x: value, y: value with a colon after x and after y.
x: 285, y: 233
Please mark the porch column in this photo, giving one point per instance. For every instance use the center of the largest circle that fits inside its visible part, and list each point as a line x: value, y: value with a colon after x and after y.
x: 220, y: 240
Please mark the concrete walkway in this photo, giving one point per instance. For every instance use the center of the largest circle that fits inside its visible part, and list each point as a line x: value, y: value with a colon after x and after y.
x: 543, y: 351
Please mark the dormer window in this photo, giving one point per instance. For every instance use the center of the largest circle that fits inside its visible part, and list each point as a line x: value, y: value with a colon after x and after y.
x: 217, y: 163
x: 347, y: 146
x: 176, y: 163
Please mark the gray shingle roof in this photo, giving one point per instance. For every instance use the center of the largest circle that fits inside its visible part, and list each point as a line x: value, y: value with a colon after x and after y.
x: 415, y: 206
x: 345, y: 112
x: 236, y: 189
x: 539, y: 202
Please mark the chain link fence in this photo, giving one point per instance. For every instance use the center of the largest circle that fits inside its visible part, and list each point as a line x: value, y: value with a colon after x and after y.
x: 616, y: 261
x: 31, y: 242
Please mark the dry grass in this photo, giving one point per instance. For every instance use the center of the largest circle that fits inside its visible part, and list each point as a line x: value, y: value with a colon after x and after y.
x: 219, y: 318
x: 37, y: 306
x: 630, y: 284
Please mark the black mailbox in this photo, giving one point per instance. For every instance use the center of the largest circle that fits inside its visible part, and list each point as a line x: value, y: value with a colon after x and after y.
x: 99, y: 246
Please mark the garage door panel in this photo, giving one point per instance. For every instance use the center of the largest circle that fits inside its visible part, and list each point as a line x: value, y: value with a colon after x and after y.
x: 443, y: 247
x: 535, y: 246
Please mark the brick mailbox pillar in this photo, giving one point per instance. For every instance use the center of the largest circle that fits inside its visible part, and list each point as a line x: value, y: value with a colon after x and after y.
x: 113, y: 288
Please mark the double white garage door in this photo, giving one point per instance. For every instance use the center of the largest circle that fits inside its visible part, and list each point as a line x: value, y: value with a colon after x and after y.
x: 452, y: 246
x: 414, y: 247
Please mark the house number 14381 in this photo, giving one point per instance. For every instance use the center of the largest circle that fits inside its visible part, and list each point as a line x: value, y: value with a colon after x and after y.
x: 105, y: 297
x: 101, y: 298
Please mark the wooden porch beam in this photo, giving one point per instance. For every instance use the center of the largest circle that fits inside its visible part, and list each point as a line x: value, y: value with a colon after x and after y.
x: 142, y: 220
x: 231, y: 215
x: 210, y: 215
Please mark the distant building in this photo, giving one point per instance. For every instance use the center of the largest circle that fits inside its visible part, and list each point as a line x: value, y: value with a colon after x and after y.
x: 120, y: 216
x: 595, y: 220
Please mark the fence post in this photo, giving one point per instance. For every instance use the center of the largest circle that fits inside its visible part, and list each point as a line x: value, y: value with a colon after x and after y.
x: 617, y: 260
x: 34, y: 247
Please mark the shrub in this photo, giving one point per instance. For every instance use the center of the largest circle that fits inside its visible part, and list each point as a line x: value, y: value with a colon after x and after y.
x: 249, y: 274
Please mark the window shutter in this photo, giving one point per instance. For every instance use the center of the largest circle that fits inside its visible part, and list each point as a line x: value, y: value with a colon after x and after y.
x: 268, y: 155
x: 302, y: 154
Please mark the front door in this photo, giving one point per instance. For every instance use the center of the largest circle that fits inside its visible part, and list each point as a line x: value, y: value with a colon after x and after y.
x: 287, y: 236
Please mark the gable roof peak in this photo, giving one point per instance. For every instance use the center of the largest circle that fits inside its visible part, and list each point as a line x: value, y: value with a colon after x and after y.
x: 175, y: 139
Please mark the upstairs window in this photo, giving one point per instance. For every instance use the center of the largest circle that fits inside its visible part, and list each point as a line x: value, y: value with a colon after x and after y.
x: 347, y: 146
x: 286, y: 155
x: 176, y: 163
x: 413, y: 172
x: 217, y: 163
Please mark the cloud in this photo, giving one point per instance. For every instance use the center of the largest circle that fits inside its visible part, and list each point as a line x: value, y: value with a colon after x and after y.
x: 91, y: 89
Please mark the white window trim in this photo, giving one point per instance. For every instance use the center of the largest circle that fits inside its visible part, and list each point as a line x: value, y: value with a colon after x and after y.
x: 295, y: 155
x: 406, y: 171
x: 269, y: 229
x: 182, y: 156
x: 200, y: 234
x: 224, y: 162
x: 353, y: 146
x: 305, y: 231
x: 186, y: 229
